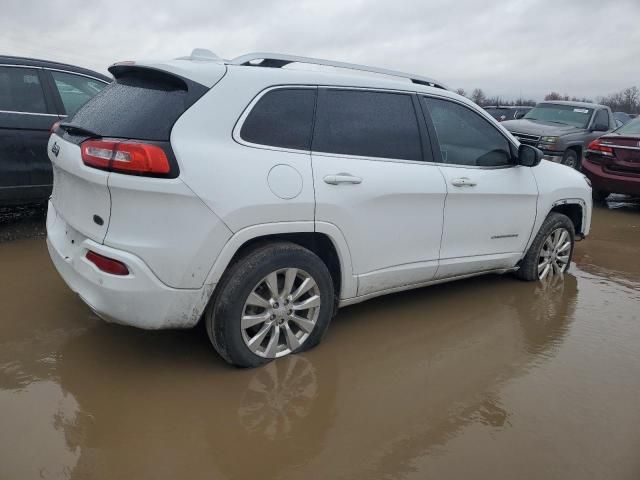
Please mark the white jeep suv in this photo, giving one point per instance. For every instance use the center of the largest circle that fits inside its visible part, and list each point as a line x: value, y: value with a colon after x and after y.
x: 261, y: 197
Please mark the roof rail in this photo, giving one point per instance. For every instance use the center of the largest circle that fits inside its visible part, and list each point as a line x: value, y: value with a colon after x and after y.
x: 276, y: 60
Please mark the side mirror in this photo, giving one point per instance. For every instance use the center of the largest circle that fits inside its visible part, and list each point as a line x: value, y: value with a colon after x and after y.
x: 529, y: 156
x: 599, y: 127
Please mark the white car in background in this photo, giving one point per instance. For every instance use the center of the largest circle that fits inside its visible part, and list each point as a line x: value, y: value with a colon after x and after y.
x: 261, y: 198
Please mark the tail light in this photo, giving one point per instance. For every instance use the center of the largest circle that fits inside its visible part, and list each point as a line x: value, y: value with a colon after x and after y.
x: 598, y: 147
x: 125, y: 157
x: 106, y: 264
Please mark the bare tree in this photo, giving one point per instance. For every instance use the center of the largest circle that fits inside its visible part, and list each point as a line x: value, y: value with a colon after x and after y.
x: 460, y: 91
x: 523, y: 102
x: 627, y: 100
x: 478, y: 97
x: 556, y: 96
x: 630, y: 98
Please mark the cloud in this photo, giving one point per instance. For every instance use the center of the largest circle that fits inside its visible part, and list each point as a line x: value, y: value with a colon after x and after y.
x: 529, y: 47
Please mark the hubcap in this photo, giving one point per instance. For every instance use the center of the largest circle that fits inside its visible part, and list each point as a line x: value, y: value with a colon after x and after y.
x: 280, y: 313
x: 554, y: 256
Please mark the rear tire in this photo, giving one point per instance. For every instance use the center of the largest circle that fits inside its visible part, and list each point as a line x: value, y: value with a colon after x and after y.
x: 533, y: 261
x: 570, y: 159
x: 258, y: 312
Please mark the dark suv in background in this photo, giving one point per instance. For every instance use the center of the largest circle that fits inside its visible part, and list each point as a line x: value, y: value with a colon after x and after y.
x: 34, y: 94
x: 510, y: 112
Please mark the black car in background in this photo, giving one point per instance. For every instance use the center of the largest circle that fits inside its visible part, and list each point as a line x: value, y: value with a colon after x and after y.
x: 502, y: 113
x: 34, y: 94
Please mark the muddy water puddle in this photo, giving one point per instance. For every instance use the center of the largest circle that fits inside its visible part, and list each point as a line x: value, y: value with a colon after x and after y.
x: 485, y: 378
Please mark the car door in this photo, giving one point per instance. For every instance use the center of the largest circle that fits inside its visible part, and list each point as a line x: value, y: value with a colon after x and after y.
x: 491, y: 202
x: 372, y: 182
x: 26, y: 115
x: 601, y: 119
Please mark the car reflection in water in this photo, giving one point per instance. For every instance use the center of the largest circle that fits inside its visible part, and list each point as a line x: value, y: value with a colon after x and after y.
x: 420, y: 372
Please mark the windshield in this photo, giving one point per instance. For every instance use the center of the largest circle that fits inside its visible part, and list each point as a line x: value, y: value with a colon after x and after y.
x: 563, y: 114
x: 631, y: 128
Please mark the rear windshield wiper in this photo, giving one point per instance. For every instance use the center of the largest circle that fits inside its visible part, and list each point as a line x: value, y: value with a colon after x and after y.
x: 73, y: 128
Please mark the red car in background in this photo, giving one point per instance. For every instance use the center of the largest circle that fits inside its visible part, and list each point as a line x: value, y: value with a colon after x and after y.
x: 612, y: 162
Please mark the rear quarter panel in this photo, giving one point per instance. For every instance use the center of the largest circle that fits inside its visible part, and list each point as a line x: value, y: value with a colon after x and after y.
x: 167, y: 225
x: 229, y: 177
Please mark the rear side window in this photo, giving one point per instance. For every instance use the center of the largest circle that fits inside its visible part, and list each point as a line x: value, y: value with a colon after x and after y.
x: 75, y: 90
x: 465, y: 137
x: 141, y: 105
x: 366, y: 123
x: 282, y: 118
x: 20, y: 90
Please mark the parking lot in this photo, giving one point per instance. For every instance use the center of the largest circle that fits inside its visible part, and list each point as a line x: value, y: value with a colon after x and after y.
x: 484, y: 378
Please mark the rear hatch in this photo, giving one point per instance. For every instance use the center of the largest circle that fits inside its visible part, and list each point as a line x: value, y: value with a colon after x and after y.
x: 80, y: 194
x: 125, y: 129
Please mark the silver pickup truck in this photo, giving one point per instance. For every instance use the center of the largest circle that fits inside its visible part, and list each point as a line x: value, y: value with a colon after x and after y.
x: 562, y: 130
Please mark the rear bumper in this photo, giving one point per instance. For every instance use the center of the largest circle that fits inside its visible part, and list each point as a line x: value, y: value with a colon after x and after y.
x: 610, y: 182
x: 139, y: 299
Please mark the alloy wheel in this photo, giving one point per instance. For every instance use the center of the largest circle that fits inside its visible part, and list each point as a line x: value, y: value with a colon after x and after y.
x: 555, y: 253
x: 280, y: 313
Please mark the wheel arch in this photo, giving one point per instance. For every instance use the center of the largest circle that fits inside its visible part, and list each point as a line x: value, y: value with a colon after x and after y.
x: 325, y: 240
x: 575, y: 210
x: 578, y: 148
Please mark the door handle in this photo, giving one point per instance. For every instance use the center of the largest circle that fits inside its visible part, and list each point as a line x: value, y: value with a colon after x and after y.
x: 342, y: 178
x: 463, y: 182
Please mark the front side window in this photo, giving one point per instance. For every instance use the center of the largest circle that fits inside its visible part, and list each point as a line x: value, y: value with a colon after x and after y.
x: 75, y: 90
x: 20, y: 90
x: 282, y: 118
x: 465, y: 137
x: 368, y: 124
x: 602, y: 118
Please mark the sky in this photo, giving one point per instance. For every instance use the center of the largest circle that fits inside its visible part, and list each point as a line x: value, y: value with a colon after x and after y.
x: 583, y: 48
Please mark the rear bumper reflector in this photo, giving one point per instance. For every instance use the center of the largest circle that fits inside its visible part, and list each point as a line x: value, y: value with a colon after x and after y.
x: 106, y: 264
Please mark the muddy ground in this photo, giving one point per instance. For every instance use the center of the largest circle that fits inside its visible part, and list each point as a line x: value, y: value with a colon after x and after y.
x: 486, y: 378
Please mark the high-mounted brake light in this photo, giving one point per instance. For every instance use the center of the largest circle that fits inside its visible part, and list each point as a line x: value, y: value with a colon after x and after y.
x: 106, y: 264
x: 125, y: 157
x: 598, y: 146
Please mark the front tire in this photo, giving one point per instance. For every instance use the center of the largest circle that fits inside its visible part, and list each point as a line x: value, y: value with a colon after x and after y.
x: 277, y: 300
x: 570, y: 159
x: 551, y: 250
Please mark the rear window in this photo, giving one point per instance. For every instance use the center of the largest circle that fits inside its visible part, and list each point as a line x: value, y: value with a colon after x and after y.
x: 282, y: 118
x: 143, y: 105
